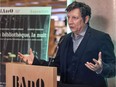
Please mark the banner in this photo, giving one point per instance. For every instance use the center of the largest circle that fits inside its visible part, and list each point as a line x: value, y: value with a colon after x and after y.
x: 22, y: 28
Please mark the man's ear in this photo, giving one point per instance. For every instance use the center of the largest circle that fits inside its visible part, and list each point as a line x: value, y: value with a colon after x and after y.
x: 87, y: 19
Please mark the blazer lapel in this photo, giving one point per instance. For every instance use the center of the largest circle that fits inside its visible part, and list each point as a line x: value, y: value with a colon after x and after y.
x: 80, y: 50
x: 64, y: 49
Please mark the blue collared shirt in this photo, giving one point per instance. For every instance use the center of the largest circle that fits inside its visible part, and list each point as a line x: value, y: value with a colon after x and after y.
x: 78, y: 38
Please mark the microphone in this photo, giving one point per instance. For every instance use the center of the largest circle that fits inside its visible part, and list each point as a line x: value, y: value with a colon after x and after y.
x: 51, y: 60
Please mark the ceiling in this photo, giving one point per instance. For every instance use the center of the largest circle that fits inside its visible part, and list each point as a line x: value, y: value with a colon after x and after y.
x: 14, y: 3
x: 58, y: 6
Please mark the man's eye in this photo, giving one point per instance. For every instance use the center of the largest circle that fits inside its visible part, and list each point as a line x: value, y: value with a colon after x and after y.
x: 75, y: 17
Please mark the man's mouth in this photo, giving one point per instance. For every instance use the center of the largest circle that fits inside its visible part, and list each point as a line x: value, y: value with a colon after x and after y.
x: 71, y: 27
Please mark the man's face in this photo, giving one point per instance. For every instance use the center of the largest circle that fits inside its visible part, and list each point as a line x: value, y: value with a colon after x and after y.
x: 75, y: 21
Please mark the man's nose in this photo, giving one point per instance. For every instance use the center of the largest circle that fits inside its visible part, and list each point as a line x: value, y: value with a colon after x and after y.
x: 70, y: 21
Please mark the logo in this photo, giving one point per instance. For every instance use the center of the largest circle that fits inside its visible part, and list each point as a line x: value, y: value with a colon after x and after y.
x: 6, y: 10
x: 22, y: 82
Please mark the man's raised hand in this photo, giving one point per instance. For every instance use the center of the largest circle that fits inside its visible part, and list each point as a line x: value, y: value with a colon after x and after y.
x: 27, y: 58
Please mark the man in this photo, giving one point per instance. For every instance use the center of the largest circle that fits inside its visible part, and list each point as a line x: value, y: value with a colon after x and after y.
x: 85, y: 56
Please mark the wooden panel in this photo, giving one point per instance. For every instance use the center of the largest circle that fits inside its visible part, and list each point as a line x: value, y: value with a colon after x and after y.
x: 21, y: 75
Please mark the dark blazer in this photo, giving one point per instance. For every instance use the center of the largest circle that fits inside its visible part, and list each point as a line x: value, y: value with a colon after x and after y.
x: 93, y: 42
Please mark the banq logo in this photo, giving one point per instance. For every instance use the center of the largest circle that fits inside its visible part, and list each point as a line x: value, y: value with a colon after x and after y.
x: 6, y: 10
x: 27, y: 83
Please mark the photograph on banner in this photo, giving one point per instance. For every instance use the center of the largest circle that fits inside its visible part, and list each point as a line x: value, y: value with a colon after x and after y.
x: 24, y: 28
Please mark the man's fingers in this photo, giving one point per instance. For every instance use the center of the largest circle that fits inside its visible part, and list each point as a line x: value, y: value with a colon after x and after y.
x: 30, y: 51
x: 99, y: 59
x: 20, y: 55
x: 96, y: 62
x: 100, y: 56
x: 89, y: 66
x: 97, y: 67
